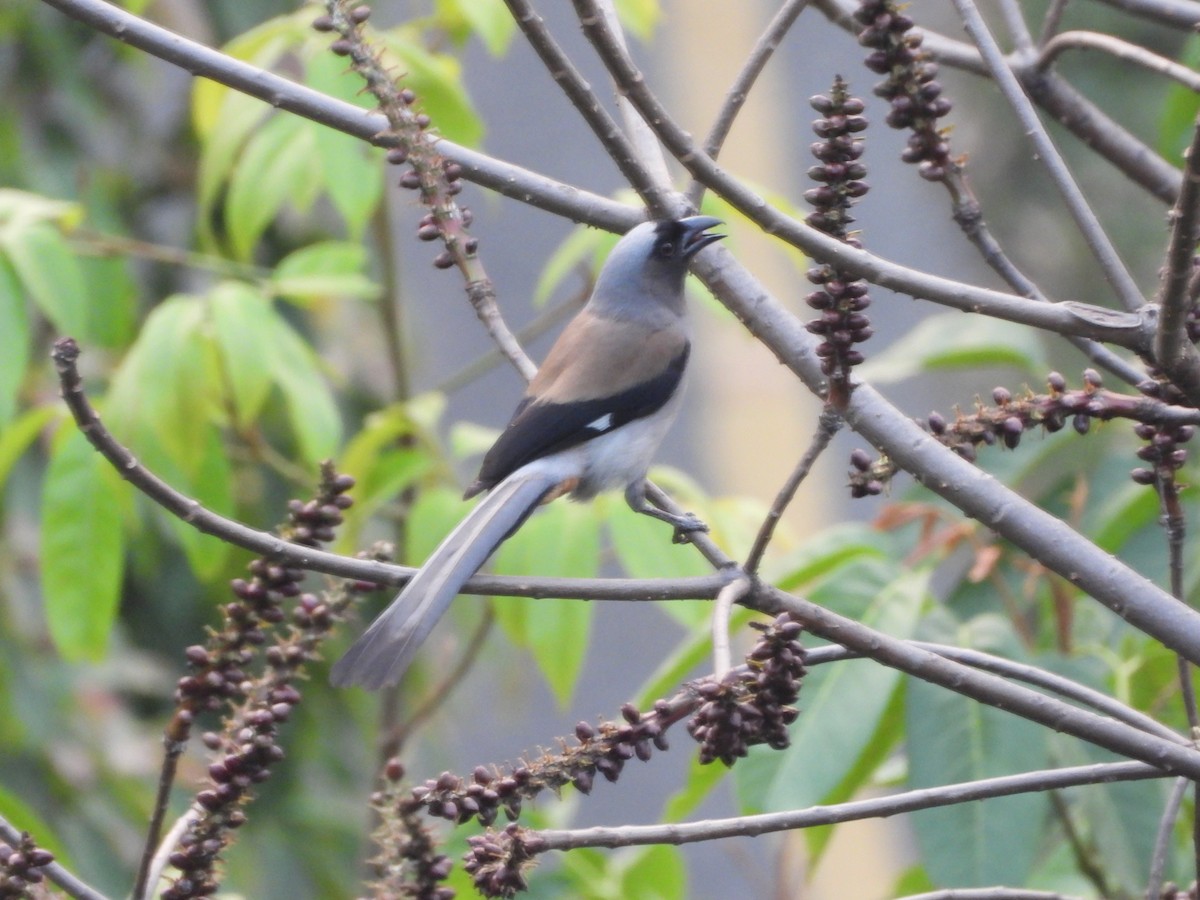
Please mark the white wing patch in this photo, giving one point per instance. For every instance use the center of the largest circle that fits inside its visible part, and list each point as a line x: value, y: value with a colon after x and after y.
x: 602, y: 424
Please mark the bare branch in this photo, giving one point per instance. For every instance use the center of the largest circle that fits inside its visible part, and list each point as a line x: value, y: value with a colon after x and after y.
x: 828, y: 425
x: 1168, y: 755
x: 615, y: 142
x: 1089, y: 226
x: 1184, y: 14
x: 1163, y: 837
x: 1173, y: 350
x: 1120, y: 49
x: 736, y: 96
x: 909, y: 801
x: 1038, y: 677
x: 269, y: 545
x: 991, y: 893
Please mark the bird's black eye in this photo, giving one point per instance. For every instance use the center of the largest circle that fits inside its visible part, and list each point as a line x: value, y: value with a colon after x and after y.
x: 664, y: 249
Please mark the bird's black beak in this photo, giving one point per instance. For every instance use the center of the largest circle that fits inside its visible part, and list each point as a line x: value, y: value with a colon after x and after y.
x: 695, y: 237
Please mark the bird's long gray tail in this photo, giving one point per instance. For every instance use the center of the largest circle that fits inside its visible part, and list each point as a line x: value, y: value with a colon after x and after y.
x: 383, y: 652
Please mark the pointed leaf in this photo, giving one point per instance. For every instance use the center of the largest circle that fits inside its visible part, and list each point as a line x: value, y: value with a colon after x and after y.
x: 311, y: 409
x: 327, y: 269
x: 561, y: 540
x: 277, y: 167
x: 243, y: 325
x: 50, y: 274
x: 82, y: 548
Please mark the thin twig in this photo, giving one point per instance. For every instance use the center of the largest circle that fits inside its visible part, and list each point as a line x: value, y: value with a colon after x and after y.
x: 1182, y: 14
x: 1172, y: 348
x: 614, y: 141
x: 876, y: 807
x: 1085, y: 219
x: 1085, y: 857
x: 649, y: 153
x: 173, y: 749
x: 1163, y: 837
x: 162, y: 856
x: 982, y: 686
x: 828, y: 425
x: 722, y: 610
x: 1018, y: 29
x: 736, y: 96
x: 565, y: 200
x: 1042, y: 678
x: 1119, y: 49
x: 828, y: 249
x: 1052, y: 20
x: 435, y: 697
x: 265, y: 544
x: 71, y: 885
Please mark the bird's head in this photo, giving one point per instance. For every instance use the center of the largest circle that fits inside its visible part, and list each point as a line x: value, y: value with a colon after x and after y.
x: 647, y: 266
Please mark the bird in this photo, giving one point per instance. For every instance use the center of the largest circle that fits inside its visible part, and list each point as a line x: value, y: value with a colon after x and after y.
x: 591, y: 420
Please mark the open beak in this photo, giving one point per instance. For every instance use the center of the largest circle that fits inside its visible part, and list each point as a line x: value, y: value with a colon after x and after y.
x: 695, y: 236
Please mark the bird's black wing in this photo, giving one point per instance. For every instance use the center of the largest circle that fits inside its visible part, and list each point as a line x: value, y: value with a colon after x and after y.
x: 538, y: 429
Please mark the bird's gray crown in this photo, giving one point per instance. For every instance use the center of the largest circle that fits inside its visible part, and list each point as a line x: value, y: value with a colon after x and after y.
x: 643, y: 276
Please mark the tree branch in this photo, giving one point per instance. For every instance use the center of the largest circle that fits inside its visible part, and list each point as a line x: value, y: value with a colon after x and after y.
x: 1120, y: 49
x: 1047, y: 154
x: 1173, y: 350
x: 190, y: 511
x: 909, y: 801
x: 736, y: 96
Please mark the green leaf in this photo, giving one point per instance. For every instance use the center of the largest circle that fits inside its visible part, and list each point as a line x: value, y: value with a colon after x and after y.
x: 436, y: 78
x: 826, y: 552
x: 957, y: 341
x: 277, y: 167
x: 561, y: 540
x: 243, y: 324
x: 82, y: 548
x: 1180, y: 108
x: 212, y: 485
x: 50, y: 274
x: 489, y: 19
x: 352, y: 170
x: 112, y: 299
x: 1125, y: 511
x: 827, y: 744
x: 326, y: 269
x: 239, y: 116
x: 14, y: 343
x: 652, y: 873
x: 312, y: 411
x: 951, y: 738
x: 16, y: 436
x: 639, y: 16
x: 168, y: 384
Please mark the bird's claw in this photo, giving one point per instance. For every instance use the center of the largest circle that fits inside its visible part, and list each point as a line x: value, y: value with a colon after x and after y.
x: 686, y: 525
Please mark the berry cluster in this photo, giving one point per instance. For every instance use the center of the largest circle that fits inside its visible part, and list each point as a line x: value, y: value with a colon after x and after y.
x: 20, y: 865
x: 910, y: 88
x: 499, y: 862
x: 1008, y: 420
x: 248, y: 747
x: 602, y: 749
x: 841, y: 299
x: 408, y: 863
x: 752, y: 705
x: 439, y: 180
